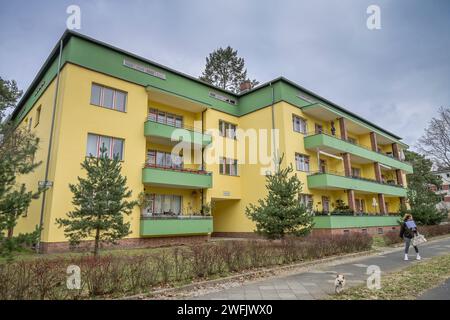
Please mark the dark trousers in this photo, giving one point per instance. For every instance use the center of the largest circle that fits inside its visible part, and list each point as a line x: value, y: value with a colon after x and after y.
x: 408, y: 243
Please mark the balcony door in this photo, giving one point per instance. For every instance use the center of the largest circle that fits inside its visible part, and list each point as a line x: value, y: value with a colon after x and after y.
x: 325, y: 204
x: 319, y: 128
x: 360, y: 206
x: 323, y: 166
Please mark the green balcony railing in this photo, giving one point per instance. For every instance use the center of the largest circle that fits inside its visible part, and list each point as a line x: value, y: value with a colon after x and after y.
x: 175, y: 225
x: 185, y: 134
x: 339, y: 181
x: 333, y: 142
x: 332, y: 222
x: 180, y: 178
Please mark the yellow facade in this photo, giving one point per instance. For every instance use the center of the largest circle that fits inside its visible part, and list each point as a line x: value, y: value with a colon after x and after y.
x: 228, y: 196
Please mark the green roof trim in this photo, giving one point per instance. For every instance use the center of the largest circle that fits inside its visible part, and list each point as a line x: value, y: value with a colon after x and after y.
x: 95, y: 55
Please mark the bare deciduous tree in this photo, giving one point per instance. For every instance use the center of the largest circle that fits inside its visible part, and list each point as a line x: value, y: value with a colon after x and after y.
x: 435, y: 142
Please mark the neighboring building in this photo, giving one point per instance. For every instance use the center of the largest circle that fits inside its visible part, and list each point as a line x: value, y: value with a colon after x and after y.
x: 132, y: 105
x: 444, y: 190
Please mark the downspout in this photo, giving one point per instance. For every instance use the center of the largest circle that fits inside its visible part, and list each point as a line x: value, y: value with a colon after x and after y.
x: 50, y: 141
x: 203, y: 168
x: 273, y: 127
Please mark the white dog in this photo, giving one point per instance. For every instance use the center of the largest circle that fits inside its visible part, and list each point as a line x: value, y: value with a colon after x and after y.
x: 339, y: 283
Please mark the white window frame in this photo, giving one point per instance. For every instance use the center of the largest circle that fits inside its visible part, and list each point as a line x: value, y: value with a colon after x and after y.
x: 299, y: 124
x: 102, y: 97
x: 227, y: 129
x: 110, y: 147
x: 228, y: 167
x: 302, y: 162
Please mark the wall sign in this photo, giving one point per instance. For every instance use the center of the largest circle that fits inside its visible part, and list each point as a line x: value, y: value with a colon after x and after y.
x: 144, y: 69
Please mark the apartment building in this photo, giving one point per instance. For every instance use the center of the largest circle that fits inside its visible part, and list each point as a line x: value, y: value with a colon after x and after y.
x: 444, y: 190
x: 89, y: 94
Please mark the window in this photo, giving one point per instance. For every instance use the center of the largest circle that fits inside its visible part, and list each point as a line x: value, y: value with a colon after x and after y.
x: 38, y: 115
x: 113, y: 146
x: 364, y: 230
x: 302, y: 162
x: 356, y: 172
x: 227, y: 129
x: 346, y: 231
x: 306, y: 200
x: 108, y: 97
x: 380, y: 231
x: 164, y: 159
x: 228, y: 167
x: 30, y: 123
x: 165, y: 118
x: 152, y: 114
x: 160, y: 204
x: 299, y: 124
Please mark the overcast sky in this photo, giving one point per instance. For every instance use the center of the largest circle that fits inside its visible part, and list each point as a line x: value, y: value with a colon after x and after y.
x: 396, y: 77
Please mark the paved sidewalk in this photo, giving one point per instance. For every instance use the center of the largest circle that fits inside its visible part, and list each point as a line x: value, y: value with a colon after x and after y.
x: 441, y: 292
x: 317, y: 284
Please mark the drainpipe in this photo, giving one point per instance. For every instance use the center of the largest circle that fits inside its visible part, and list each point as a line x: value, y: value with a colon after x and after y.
x: 47, y: 165
x: 273, y: 127
x: 203, y: 130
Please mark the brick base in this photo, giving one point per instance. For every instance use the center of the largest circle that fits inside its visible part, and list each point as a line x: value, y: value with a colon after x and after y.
x: 370, y: 230
x: 315, y: 232
x: 247, y: 235
x: 59, y: 247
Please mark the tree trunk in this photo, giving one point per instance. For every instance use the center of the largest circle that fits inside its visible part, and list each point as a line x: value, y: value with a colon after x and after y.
x: 97, y: 240
x: 10, y: 233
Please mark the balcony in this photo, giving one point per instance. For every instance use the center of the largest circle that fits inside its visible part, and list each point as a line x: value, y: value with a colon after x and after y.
x: 176, y: 178
x: 164, y: 133
x: 333, y: 222
x: 175, y: 225
x: 335, y: 145
x: 336, y: 181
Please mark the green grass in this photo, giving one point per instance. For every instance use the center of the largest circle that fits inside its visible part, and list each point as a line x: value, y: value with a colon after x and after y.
x: 378, y: 242
x: 407, y: 284
x: 28, y: 255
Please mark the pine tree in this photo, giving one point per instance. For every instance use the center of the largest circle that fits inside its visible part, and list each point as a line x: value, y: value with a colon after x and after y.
x: 421, y: 198
x: 100, y: 204
x: 280, y: 213
x: 17, y: 150
x: 226, y: 70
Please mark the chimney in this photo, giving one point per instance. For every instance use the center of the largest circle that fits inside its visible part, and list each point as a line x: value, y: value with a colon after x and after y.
x: 245, y: 86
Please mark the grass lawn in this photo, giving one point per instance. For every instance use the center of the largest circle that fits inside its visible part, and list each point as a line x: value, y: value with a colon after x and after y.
x: 378, y: 242
x: 30, y: 255
x: 407, y: 284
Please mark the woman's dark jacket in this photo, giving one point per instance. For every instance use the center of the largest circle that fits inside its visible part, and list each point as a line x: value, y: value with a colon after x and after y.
x: 407, y: 232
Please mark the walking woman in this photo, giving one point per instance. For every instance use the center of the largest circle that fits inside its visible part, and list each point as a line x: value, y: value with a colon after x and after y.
x: 407, y: 232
